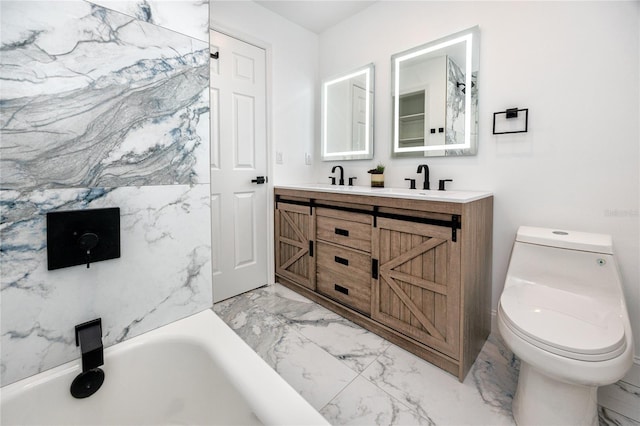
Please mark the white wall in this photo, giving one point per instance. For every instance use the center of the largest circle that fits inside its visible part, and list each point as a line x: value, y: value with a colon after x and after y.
x: 293, y: 68
x: 573, y: 64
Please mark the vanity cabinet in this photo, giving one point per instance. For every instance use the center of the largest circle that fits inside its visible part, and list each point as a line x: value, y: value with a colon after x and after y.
x: 417, y: 272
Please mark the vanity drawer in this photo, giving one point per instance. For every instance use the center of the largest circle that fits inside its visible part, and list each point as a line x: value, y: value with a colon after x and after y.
x: 341, y: 260
x: 348, y: 233
x: 348, y: 290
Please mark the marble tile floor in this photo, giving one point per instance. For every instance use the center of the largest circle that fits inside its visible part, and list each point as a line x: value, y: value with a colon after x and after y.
x: 354, y: 377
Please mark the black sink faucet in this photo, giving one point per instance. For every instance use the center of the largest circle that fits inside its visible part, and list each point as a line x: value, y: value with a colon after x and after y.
x: 89, y: 338
x: 333, y: 170
x: 424, y: 167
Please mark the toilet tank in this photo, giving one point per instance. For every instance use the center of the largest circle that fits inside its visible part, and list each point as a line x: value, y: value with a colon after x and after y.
x: 573, y: 240
x: 574, y: 262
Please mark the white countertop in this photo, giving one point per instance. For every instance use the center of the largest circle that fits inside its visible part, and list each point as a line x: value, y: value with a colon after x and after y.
x: 413, y: 194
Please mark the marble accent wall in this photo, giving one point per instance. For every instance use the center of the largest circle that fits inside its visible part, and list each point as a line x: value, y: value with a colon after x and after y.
x: 101, y: 109
x: 190, y: 17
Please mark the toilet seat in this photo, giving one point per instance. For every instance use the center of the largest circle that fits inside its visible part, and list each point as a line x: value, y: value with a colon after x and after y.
x: 564, y: 323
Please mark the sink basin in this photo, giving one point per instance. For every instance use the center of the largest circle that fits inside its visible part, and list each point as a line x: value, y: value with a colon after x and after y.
x: 414, y: 194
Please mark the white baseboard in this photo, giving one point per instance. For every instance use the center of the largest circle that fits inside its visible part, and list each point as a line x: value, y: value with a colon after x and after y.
x: 622, y: 397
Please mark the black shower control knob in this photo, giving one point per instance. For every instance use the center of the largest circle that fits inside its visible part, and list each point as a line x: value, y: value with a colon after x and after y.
x: 88, y: 240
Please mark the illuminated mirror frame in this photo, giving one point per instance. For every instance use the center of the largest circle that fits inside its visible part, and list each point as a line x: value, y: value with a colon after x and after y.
x: 471, y: 39
x: 367, y: 152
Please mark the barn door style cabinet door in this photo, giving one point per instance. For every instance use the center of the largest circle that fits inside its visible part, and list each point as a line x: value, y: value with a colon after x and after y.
x: 294, y: 244
x: 418, y: 286
x: 417, y: 272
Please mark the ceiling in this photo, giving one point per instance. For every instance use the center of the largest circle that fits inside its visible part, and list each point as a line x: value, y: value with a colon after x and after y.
x: 315, y: 15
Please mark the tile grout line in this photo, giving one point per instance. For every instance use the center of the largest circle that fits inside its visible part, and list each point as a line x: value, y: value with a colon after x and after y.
x: 391, y: 397
x: 358, y: 374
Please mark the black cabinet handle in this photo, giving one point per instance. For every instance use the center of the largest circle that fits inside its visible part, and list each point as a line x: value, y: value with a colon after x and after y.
x: 342, y: 232
x: 341, y: 260
x: 310, y: 248
x: 374, y: 269
x: 341, y: 289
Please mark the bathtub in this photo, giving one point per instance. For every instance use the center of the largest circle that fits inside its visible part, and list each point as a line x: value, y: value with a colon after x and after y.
x: 195, y: 371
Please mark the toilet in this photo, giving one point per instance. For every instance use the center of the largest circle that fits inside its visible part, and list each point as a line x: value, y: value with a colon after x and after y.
x: 562, y: 312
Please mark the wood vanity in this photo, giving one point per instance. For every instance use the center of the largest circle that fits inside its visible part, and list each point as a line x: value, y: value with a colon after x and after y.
x: 410, y: 267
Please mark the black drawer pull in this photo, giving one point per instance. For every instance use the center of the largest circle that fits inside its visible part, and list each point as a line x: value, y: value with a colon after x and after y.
x: 343, y: 232
x: 341, y: 260
x: 341, y: 289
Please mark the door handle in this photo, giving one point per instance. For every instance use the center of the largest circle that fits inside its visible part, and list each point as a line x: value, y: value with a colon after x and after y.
x: 259, y: 180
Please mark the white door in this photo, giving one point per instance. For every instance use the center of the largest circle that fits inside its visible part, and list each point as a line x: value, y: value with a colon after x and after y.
x: 238, y: 157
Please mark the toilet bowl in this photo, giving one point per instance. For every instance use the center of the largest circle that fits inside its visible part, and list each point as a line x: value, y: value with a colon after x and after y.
x: 562, y: 313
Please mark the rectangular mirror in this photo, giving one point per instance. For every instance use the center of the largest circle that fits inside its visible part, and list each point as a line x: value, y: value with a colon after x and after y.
x: 435, y: 97
x: 347, y: 116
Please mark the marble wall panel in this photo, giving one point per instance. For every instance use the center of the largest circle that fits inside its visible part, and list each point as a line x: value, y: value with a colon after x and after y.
x: 92, y: 97
x: 100, y: 109
x: 163, y: 274
x: 190, y: 17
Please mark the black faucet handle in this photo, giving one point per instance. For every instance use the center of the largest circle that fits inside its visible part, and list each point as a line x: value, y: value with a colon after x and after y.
x: 351, y: 179
x: 412, y: 183
x: 333, y: 180
x: 441, y: 184
x: 88, y: 241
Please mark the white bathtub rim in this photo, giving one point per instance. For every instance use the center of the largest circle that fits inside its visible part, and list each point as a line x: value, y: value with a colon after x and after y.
x: 272, y: 400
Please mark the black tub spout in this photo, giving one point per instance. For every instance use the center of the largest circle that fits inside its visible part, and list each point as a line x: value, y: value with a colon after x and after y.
x: 89, y: 338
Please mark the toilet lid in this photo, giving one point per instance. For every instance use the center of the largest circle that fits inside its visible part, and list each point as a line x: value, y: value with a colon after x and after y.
x: 568, y: 324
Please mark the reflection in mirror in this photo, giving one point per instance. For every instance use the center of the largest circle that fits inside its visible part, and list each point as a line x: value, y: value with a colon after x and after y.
x: 347, y: 116
x: 434, y: 112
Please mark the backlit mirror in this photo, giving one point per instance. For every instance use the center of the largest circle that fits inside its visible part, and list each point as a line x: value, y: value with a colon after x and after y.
x: 435, y: 97
x: 347, y: 116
